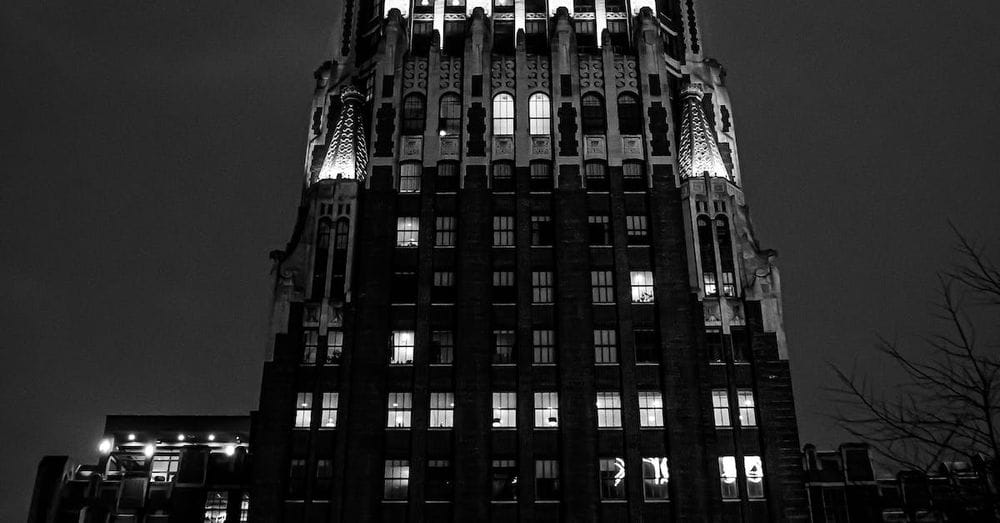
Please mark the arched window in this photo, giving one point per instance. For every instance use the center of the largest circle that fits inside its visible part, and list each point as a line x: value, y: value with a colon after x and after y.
x: 343, y: 232
x: 322, y: 254
x: 450, y: 122
x: 593, y: 114
x: 414, y: 114
x: 503, y: 114
x: 629, y: 114
x: 539, y: 114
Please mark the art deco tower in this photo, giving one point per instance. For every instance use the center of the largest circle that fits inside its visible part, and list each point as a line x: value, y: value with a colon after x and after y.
x: 523, y: 284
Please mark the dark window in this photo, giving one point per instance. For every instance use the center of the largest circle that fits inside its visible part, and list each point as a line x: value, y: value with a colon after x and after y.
x: 713, y: 344
x: 583, y: 6
x: 597, y: 176
x: 297, y: 479
x: 647, y: 346
x: 541, y: 177
x: 443, y: 290
x: 542, y: 232
x: 566, y: 85
x: 421, y: 41
x: 439, y: 480
x: 629, y: 114
x: 634, y: 176
x: 503, y: 38
x: 741, y: 345
x: 504, y: 290
x: 536, y: 41
x: 477, y: 85
x: 504, y: 347
x: 450, y: 122
x: 599, y: 230
x: 534, y: 5
x: 447, y: 177
x: 442, y: 347
x: 547, y: 479
x: 324, y: 479
x: 387, y: 84
x: 593, y: 114
x: 654, y: 85
x: 454, y: 38
x: 404, y: 287
x: 424, y: 6
x: 503, y: 177
x: 503, y: 6
x: 612, y: 478
x: 503, y: 477
x: 619, y: 34
x: 586, y: 34
x: 707, y: 250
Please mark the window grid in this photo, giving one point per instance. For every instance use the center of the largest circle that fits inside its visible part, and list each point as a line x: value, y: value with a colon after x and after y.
x: 602, y: 287
x: 539, y: 115
x: 720, y: 408
x: 334, y: 346
x: 303, y: 410
x: 612, y: 478
x: 541, y: 287
x: 402, y: 348
x: 310, y: 341
x: 727, y: 477
x: 754, y: 470
x: 547, y: 479
x: 407, y: 231
x: 328, y: 412
x: 400, y: 407
x: 450, y: 122
x: 444, y: 231
x: 748, y: 414
x: 541, y: 231
x: 605, y: 346
x: 504, y: 347
x: 503, y: 177
x: 609, y: 410
x: 442, y: 347
x: 650, y: 409
x: 503, y: 231
x: 655, y: 478
x: 541, y: 177
x: 215, y: 506
x: 503, y: 114
x: 543, y: 343
x: 546, y: 410
x: 409, y: 177
x: 599, y: 230
x: 642, y: 286
x: 636, y: 230
x: 504, y: 410
x: 397, y: 479
x: 442, y: 410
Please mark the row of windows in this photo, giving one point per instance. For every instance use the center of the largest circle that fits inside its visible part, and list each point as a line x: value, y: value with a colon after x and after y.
x: 592, y: 112
x: 542, y: 231
x: 596, y: 177
x: 217, y: 503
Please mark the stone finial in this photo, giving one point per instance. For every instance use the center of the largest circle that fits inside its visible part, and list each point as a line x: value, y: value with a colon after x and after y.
x: 699, y: 152
x: 347, y: 157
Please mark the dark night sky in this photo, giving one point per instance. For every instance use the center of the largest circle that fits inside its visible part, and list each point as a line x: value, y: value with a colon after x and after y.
x: 152, y: 151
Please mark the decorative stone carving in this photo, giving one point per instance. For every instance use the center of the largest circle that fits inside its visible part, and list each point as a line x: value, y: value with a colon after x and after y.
x: 449, y: 147
x: 625, y: 75
x: 451, y: 74
x: 541, y: 146
x: 538, y: 72
x: 502, y: 73
x: 415, y: 74
x: 632, y: 146
x: 713, y: 313
x: 595, y: 148
x: 591, y: 72
x: 413, y: 147
x: 503, y: 147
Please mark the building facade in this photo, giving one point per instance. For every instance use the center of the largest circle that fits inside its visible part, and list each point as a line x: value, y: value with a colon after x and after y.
x: 523, y: 284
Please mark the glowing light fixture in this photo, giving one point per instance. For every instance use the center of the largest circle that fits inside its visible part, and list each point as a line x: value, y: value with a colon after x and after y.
x: 149, y: 450
x: 211, y: 437
x: 105, y: 446
x: 181, y: 437
x: 230, y: 450
x: 131, y: 437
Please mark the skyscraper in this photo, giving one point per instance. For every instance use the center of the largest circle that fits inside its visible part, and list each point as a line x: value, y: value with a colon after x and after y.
x: 523, y: 284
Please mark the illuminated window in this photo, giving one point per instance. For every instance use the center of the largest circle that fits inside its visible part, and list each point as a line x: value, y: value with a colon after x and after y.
x: 634, y: 176
x: 636, y: 230
x: 727, y: 477
x: 328, y: 414
x: 450, y: 122
x: 245, y: 508
x: 612, y: 478
x: 596, y: 175
x: 655, y: 478
x: 504, y: 410
x: 503, y: 231
x: 400, y: 405
x: 409, y: 177
x: 541, y: 177
x: 629, y: 114
x: 609, y: 410
x: 397, y: 479
x: 539, y: 114
x: 503, y: 177
x: 754, y: 470
x: 602, y: 287
x: 442, y: 347
x: 546, y: 410
x: 504, y: 343
x: 543, y: 343
x: 546, y: 480
x: 728, y: 284
x: 414, y: 114
x: 447, y: 177
x: 334, y: 347
x: 542, y: 233
x: 720, y: 407
x: 407, y: 231
x: 215, y: 506
x: 310, y: 339
x: 444, y: 231
x: 402, y: 348
x: 303, y: 410
x: 599, y: 230
x: 541, y: 287
x: 503, y: 287
x: 650, y: 409
x: 503, y: 114
x: 642, y: 286
x: 439, y: 480
x: 748, y: 415
x: 605, y: 346
x: 297, y: 478
x: 592, y: 114
x: 442, y: 410
x: 324, y: 479
x: 711, y: 286
x: 503, y: 478
x: 164, y: 467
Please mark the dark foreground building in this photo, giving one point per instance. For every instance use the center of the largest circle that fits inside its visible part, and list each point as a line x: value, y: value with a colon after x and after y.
x: 523, y: 284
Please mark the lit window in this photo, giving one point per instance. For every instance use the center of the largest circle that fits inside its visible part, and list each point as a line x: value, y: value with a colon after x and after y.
x: 334, y: 347
x: 636, y: 231
x: 324, y: 479
x: 727, y: 477
x: 539, y: 114
x: 642, y: 286
x: 541, y: 287
x: 437, y: 484
x: 592, y: 114
x: 450, y: 122
x: 599, y: 230
x: 629, y: 114
x: 503, y: 114
x: 546, y: 479
x: 609, y: 410
x: 164, y: 467
x: 503, y: 231
x: 442, y: 347
x: 543, y: 343
x: 328, y: 414
x: 601, y: 287
x: 303, y: 410
x: 612, y: 478
x: 542, y: 233
x: 605, y: 346
x: 720, y: 407
x: 444, y: 231
x: 728, y: 284
x: 754, y: 470
x: 541, y: 177
x: 409, y: 177
x: 245, y: 508
x: 504, y: 343
x: 650, y: 409
x: 504, y: 410
x: 400, y: 406
x: 310, y: 339
x: 407, y: 231
x: 414, y: 114
x: 503, y: 478
x: 655, y: 478
x: 402, y: 348
x: 442, y: 410
x: 546, y: 410
x: 215, y: 506
x: 397, y: 479
x: 711, y: 286
x: 748, y: 415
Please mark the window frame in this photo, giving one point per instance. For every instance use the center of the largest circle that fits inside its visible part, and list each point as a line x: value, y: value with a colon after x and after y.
x: 503, y: 114
x: 539, y: 114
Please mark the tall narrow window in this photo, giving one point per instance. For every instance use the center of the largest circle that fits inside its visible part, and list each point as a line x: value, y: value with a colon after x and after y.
x: 546, y: 480
x: 324, y: 479
x: 605, y: 346
x: 655, y: 478
x: 546, y: 410
x: 245, y: 508
x: 450, y: 122
x: 504, y: 410
x: 402, y: 348
x: 593, y: 114
x: 297, y: 478
x: 409, y: 177
x: 726, y: 260
x: 310, y: 339
x: 503, y: 478
x: 442, y: 347
x: 754, y: 470
x: 503, y: 348
x: 636, y: 230
x: 503, y: 231
x: 442, y: 410
x: 727, y: 477
x: 748, y: 414
x: 447, y: 177
x: 586, y: 33
x: 642, y: 286
x: 420, y: 42
x: 650, y: 409
x: 215, y: 506
x: 720, y: 408
x: 541, y: 287
x: 443, y: 290
x: 454, y: 35
x: 397, y: 479
x: 629, y: 114
x: 503, y: 114
x: 400, y: 406
x: 601, y: 287
x: 541, y: 177
x: 612, y: 478
x: 647, y: 346
x: 596, y: 174
x: 414, y: 114
x: 539, y: 115
x: 706, y: 248
x: 328, y: 414
x: 438, y: 484
x: 542, y: 233
x: 634, y: 177
x: 544, y: 347
x: 503, y: 287
x: 618, y: 30
x: 407, y: 231
x: 599, y: 230
x: 334, y: 346
x: 444, y: 231
x: 503, y: 177
x: 536, y: 40
x: 303, y: 410
x: 609, y: 410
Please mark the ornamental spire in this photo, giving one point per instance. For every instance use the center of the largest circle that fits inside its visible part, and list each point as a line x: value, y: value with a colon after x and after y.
x: 347, y: 157
x: 699, y: 152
